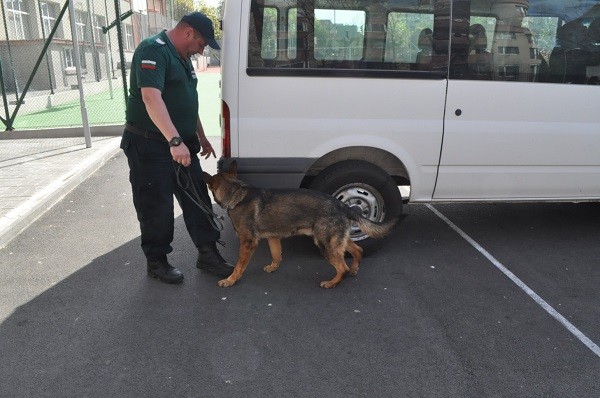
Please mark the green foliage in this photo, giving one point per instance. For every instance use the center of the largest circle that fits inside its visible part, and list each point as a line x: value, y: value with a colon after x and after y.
x: 544, y: 29
x: 214, y: 13
x: 337, y: 41
x: 403, y: 35
x: 182, y: 7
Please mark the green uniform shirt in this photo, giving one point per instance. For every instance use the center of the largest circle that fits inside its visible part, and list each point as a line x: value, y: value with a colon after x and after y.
x: 157, y: 64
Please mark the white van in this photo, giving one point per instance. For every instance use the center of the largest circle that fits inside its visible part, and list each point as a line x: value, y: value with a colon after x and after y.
x: 480, y: 100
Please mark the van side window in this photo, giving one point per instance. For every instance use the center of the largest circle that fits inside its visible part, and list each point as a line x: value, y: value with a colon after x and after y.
x: 268, y: 48
x: 508, y: 40
x: 313, y: 35
x: 573, y: 60
x: 339, y: 34
x: 525, y: 41
x: 408, y: 35
x: 292, y: 30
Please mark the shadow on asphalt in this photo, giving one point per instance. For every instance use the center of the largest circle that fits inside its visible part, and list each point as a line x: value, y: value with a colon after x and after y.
x: 426, y: 315
x: 108, y: 330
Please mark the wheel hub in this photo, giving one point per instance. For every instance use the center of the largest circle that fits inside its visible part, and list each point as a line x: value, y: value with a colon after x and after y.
x: 366, y: 200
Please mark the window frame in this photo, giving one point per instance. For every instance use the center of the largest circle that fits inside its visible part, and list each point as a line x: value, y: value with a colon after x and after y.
x: 17, y: 19
x: 297, y: 59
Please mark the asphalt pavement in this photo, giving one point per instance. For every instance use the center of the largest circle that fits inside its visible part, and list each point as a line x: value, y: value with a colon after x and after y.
x: 429, y: 315
x: 35, y: 173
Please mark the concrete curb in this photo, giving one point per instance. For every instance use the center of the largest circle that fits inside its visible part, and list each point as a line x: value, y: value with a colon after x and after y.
x: 71, y: 132
x: 63, y: 132
x: 15, y: 221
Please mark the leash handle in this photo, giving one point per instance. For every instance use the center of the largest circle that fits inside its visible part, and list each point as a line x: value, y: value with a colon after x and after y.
x: 186, y: 183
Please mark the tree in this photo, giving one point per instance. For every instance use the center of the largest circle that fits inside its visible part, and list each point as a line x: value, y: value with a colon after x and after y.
x: 214, y: 13
x: 182, y: 7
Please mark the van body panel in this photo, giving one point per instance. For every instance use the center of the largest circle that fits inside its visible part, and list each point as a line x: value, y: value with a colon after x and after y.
x: 368, y: 110
x: 515, y: 140
x: 270, y: 172
x: 401, y: 116
x: 505, y: 107
x: 232, y: 43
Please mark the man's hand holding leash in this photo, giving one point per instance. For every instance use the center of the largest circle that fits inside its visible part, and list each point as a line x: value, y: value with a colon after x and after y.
x: 181, y: 155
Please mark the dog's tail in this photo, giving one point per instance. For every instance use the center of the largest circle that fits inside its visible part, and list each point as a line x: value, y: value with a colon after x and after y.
x: 378, y: 230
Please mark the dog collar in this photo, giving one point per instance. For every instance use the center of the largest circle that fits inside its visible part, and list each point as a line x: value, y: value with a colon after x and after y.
x: 229, y: 206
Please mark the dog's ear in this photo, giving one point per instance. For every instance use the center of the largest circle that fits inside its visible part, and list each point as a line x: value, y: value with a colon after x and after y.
x: 207, y: 178
x: 232, y: 168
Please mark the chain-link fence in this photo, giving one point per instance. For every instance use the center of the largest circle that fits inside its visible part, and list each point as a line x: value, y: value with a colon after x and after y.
x: 49, y: 96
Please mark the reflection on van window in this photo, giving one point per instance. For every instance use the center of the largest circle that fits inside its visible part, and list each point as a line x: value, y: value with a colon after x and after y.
x: 292, y: 36
x: 554, y: 41
x: 339, y: 34
x: 268, y: 48
x: 408, y: 36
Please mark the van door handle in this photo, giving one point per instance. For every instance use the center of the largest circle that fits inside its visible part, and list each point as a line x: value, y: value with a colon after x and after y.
x: 458, y: 112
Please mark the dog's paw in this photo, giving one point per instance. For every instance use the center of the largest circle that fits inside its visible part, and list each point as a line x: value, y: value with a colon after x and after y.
x: 328, y: 284
x: 226, y: 282
x: 270, y: 268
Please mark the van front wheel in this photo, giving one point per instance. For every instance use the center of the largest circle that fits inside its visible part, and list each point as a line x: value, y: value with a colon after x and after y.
x: 365, y: 187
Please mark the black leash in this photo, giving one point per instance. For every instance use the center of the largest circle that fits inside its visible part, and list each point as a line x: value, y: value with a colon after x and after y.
x: 186, y: 183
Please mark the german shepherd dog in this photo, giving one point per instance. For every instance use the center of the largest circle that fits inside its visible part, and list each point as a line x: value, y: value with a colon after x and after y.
x: 280, y: 213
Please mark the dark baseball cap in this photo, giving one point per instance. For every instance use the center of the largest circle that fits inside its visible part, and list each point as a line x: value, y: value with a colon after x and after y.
x: 203, y: 25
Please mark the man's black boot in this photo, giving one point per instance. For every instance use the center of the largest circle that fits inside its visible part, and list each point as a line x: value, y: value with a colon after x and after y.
x: 210, y: 260
x: 164, y: 271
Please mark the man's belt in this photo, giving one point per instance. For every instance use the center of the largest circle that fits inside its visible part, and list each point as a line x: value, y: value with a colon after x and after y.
x: 155, y: 135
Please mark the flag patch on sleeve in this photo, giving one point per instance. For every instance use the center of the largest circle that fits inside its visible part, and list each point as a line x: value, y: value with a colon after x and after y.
x: 147, y: 64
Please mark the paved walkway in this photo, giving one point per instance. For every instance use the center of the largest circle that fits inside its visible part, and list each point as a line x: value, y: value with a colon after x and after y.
x: 36, y: 173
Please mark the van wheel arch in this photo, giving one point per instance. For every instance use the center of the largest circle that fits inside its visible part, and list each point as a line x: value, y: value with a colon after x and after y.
x: 379, y: 157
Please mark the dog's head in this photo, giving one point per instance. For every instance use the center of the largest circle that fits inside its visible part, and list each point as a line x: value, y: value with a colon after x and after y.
x: 224, y: 185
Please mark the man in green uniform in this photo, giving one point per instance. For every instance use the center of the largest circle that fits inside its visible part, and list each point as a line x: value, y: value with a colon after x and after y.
x: 164, y: 131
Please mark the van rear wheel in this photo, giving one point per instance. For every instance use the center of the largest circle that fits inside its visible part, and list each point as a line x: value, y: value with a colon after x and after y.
x: 365, y: 187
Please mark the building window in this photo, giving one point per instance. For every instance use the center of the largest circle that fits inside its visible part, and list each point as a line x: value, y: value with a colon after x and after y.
x: 506, y: 36
x: 155, y: 6
x: 534, y: 53
x: 508, y: 72
x: 128, y: 30
x: 47, y: 19
x: 508, y: 50
x: 69, y: 58
x: 98, y: 26
x: 80, y: 21
x: 49, y: 13
x: 17, y: 19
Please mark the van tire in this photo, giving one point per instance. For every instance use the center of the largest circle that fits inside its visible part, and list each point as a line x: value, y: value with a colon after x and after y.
x: 362, y: 184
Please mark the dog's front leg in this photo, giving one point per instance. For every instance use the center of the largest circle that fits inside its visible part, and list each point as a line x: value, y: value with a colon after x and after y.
x: 247, y: 247
x: 275, y: 247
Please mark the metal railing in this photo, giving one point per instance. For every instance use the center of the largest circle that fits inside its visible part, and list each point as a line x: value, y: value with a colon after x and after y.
x: 75, y: 69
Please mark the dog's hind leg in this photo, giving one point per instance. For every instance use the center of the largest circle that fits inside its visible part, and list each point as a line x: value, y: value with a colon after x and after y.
x: 335, y: 256
x: 276, y: 255
x: 356, y: 252
x: 341, y: 269
x: 247, y: 247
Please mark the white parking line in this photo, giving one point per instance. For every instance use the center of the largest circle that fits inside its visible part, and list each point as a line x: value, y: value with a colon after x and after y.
x: 540, y: 301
